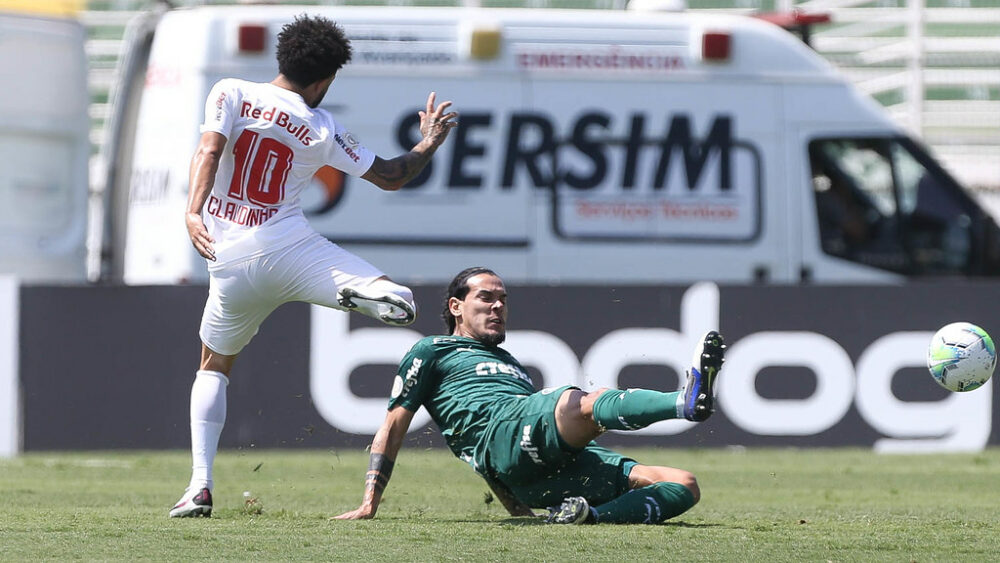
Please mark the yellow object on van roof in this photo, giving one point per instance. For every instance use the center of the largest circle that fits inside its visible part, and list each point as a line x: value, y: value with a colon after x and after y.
x: 58, y: 8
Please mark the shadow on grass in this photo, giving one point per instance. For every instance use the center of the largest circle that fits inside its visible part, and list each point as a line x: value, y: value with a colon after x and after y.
x: 541, y: 522
x: 523, y: 521
x: 690, y: 525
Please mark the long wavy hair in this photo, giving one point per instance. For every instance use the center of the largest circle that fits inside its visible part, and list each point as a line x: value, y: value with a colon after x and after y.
x: 459, y: 288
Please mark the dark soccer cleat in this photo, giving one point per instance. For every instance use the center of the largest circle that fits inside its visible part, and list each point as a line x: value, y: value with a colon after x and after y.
x: 387, y: 307
x: 699, y: 394
x: 573, y: 510
x: 197, y: 502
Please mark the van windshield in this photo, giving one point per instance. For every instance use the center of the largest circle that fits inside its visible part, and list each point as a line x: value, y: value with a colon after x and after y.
x: 884, y: 203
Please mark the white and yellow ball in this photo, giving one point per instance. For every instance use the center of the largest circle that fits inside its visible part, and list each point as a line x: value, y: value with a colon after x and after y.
x: 961, y: 357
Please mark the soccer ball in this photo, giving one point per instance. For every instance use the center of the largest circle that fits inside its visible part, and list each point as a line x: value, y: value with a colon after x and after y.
x: 961, y: 357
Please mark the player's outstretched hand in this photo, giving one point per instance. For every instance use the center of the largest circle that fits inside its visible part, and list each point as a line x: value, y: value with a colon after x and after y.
x: 200, y: 238
x: 435, y: 123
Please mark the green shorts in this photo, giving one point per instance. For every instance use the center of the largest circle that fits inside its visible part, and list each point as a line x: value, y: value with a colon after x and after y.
x: 525, y: 452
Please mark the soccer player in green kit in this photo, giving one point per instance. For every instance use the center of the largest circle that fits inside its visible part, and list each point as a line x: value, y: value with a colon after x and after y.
x: 535, y: 448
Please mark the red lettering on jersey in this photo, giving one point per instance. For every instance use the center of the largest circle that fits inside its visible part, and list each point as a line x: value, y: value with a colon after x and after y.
x: 281, y: 119
x: 239, y: 214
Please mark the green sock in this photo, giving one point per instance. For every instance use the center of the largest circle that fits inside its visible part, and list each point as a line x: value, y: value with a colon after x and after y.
x: 634, y: 408
x: 649, y: 505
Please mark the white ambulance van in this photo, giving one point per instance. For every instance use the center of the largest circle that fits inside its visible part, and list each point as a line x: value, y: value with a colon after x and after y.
x: 593, y: 147
x: 45, y: 144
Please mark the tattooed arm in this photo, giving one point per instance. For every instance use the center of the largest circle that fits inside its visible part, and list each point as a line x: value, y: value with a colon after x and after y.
x: 435, y: 124
x: 385, y: 447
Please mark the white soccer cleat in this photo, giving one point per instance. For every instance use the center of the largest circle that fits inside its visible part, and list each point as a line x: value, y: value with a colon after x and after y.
x: 387, y: 307
x: 195, y: 502
x: 573, y: 510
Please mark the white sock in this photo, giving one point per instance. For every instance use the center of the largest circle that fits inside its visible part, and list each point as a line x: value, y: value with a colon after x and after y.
x: 208, y: 416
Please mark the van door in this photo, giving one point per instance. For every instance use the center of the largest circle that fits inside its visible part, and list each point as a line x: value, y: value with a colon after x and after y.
x: 881, y: 206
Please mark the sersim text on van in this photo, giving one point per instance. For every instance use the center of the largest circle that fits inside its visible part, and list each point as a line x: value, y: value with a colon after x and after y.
x: 533, y: 142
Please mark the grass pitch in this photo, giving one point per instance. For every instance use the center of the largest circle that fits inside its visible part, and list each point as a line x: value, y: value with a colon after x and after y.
x: 758, y: 505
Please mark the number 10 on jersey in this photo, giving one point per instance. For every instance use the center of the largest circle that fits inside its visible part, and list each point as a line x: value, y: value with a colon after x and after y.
x: 260, y: 169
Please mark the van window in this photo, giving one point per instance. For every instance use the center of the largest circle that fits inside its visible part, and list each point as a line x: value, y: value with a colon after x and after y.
x: 878, y: 204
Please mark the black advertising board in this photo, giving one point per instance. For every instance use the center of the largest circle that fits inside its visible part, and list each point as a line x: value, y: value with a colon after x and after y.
x: 111, y: 367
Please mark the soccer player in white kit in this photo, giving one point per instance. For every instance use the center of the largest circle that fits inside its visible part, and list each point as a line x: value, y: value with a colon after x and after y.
x: 260, y: 146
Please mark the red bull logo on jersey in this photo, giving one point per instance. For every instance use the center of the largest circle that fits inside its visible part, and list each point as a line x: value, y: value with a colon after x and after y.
x: 298, y: 130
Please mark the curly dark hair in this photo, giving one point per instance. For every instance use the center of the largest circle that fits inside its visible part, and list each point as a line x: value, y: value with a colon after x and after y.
x: 312, y: 48
x: 459, y: 287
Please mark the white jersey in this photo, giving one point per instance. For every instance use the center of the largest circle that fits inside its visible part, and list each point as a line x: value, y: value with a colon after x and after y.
x: 275, y: 143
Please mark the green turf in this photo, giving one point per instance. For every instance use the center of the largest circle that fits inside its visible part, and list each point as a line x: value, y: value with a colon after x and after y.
x: 759, y: 505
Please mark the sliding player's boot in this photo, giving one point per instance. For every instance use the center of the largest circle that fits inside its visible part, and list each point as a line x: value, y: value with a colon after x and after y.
x: 573, y: 510
x: 699, y: 394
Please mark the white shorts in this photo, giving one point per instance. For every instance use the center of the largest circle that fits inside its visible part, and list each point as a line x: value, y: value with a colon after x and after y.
x: 242, y: 295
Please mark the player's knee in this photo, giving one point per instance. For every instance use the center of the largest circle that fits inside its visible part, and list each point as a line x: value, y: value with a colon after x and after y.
x: 646, y: 475
x: 688, y: 480
x: 587, y: 402
x: 574, y: 418
x: 584, y: 404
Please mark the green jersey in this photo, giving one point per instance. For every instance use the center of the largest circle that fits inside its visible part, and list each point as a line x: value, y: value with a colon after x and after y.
x: 462, y: 384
